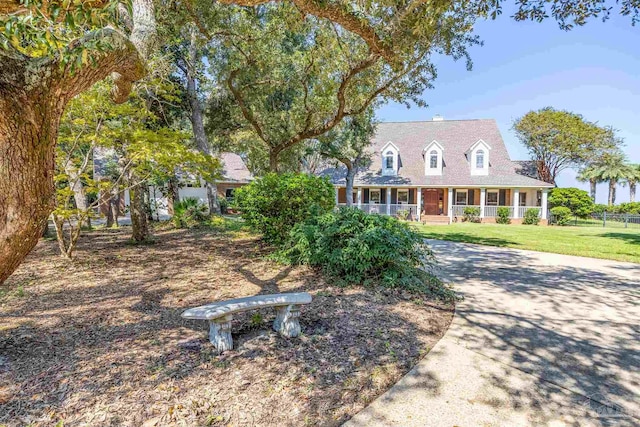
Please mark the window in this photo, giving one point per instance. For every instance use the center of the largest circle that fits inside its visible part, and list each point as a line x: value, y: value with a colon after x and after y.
x: 229, y: 193
x: 355, y: 197
x: 374, y: 196
x: 538, y: 198
x: 433, y: 159
x: 461, y: 197
x: 388, y: 160
x: 403, y: 197
x: 480, y: 159
x: 492, y: 198
x: 523, y: 199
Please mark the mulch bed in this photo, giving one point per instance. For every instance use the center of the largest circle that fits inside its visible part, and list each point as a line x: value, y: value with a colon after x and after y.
x: 100, y: 342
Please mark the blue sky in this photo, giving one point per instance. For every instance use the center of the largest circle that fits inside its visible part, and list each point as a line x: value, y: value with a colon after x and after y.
x: 593, y: 70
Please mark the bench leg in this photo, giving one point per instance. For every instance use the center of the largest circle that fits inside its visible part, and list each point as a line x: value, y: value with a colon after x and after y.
x: 220, y: 334
x: 286, y: 322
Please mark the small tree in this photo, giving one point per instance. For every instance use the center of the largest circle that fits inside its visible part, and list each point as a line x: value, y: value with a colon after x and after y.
x: 577, y: 201
x: 633, y: 177
x: 590, y: 174
x: 348, y: 145
x: 273, y: 204
x: 558, y: 140
x: 613, y: 168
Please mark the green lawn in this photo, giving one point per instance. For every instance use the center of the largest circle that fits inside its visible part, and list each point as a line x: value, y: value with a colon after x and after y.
x: 617, y: 244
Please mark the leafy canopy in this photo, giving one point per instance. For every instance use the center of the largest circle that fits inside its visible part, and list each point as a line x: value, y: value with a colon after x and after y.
x: 577, y: 201
x: 273, y: 204
x: 558, y: 139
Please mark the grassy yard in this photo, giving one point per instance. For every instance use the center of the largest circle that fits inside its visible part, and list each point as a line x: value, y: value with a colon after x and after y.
x: 617, y: 244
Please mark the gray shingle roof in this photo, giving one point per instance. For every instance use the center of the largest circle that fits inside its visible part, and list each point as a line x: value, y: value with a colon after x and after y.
x: 456, y: 137
x: 234, y: 169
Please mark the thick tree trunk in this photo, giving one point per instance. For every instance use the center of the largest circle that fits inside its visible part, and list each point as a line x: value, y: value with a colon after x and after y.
x: 632, y: 191
x: 349, y: 180
x: 593, y: 183
x: 173, y: 195
x: 612, y: 192
x: 197, y: 121
x: 28, y: 128
x: 273, y: 160
x: 139, y: 223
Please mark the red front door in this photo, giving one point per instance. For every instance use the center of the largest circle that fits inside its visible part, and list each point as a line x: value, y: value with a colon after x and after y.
x: 430, y: 197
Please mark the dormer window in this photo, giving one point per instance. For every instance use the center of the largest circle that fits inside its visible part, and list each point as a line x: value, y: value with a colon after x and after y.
x: 388, y: 160
x: 480, y: 159
x: 433, y: 159
x: 432, y: 155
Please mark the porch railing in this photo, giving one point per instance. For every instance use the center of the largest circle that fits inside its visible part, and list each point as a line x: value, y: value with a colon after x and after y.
x: 522, y: 210
x: 394, y: 209
x: 404, y: 210
x: 458, y: 210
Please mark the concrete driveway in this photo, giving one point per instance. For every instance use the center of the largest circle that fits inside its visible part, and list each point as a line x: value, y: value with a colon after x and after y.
x: 540, y: 339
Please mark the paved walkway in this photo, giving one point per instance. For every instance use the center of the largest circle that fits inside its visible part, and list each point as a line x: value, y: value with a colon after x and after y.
x: 540, y: 339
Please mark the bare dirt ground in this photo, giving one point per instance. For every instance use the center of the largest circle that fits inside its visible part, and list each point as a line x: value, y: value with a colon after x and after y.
x: 100, y: 342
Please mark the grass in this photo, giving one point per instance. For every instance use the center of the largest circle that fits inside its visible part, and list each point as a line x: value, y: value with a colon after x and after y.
x: 618, y: 244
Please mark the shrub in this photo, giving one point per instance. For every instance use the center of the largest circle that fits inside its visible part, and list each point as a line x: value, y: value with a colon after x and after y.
x: 503, y: 215
x: 273, y: 204
x: 355, y: 248
x: 578, y: 201
x: 562, y: 215
x: 471, y: 214
x: 630, y: 208
x: 188, y: 212
x: 403, y: 214
x: 224, y: 204
x: 600, y: 208
x: 531, y: 217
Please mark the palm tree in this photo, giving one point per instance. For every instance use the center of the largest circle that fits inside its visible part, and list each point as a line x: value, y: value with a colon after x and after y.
x: 613, y: 168
x: 633, y: 178
x: 590, y: 174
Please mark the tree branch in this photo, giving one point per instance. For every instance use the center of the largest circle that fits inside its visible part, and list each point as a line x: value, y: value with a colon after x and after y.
x: 246, y: 112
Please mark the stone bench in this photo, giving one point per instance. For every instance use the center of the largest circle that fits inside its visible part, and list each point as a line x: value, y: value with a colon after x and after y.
x: 220, y: 314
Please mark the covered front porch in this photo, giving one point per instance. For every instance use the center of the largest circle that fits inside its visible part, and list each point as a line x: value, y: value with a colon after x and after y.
x: 422, y: 203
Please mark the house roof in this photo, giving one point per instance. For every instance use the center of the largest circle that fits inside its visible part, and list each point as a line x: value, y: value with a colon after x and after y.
x: 234, y: 169
x: 456, y: 137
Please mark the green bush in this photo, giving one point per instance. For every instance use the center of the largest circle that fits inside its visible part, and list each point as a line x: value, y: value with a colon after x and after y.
x: 577, y: 201
x: 471, y: 214
x: 224, y: 204
x: 531, y: 217
x: 503, y: 215
x: 188, y: 212
x: 355, y: 248
x: 273, y: 204
x: 561, y: 215
x: 600, y: 208
x: 630, y: 208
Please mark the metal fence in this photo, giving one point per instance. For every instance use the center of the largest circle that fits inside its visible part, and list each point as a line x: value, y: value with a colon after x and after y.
x: 608, y: 220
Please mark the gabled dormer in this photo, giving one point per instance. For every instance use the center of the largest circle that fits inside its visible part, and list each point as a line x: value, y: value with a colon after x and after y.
x: 478, y: 158
x: 432, y: 155
x: 390, y: 159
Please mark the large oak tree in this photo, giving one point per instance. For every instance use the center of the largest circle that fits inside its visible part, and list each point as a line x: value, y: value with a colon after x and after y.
x: 51, y: 51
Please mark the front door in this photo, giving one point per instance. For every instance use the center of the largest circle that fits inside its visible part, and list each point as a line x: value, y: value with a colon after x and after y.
x: 430, y: 197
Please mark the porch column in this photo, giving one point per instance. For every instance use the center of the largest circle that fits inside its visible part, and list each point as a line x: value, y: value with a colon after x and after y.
x: 388, y: 200
x: 450, y: 203
x: 359, y: 197
x: 483, y: 195
x: 543, y: 206
x: 419, y: 201
x: 516, y: 201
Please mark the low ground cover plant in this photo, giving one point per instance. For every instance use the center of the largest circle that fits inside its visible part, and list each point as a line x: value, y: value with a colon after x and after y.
x: 471, y: 214
x: 189, y: 212
x: 273, y: 204
x: 355, y: 248
x: 531, y: 217
x: 503, y: 215
x: 562, y: 215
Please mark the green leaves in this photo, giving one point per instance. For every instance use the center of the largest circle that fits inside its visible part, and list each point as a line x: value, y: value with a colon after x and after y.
x: 273, y: 204
x: 355, y: 248
x: 577, y: 201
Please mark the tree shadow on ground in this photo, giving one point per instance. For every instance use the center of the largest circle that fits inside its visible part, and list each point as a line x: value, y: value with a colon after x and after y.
x: 468, y: 238
x: 627, y: 237
x: 101, y: 341
x: 572, y: 327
